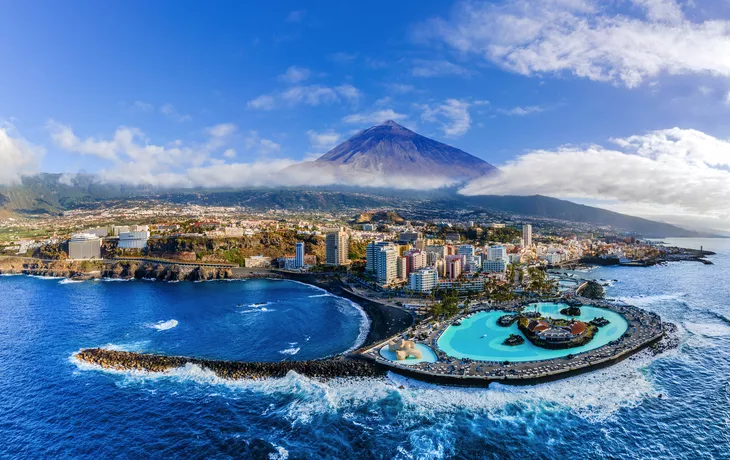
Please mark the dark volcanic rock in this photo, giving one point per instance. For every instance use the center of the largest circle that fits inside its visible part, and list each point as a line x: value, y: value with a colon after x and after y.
x: 325, y: 368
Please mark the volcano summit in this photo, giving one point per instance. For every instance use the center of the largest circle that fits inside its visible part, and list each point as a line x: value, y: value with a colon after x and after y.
x: 387, y: 153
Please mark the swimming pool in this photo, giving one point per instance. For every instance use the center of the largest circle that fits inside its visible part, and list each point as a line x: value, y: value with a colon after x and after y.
x: 427, y: 355
x: 479, y: 337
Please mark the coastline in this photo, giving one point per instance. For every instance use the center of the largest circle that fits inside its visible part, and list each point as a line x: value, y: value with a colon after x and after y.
x: 385, y: 321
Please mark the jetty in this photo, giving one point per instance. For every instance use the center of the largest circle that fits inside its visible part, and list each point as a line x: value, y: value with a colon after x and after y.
x: 232, y: 370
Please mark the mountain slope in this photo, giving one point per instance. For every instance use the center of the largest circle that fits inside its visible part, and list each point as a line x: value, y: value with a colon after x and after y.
x: 52, y: 193
x: 553, y: 208
x: 389, y: 150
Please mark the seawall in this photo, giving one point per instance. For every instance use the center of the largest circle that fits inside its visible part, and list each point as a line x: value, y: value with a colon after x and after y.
x: 233, y: 370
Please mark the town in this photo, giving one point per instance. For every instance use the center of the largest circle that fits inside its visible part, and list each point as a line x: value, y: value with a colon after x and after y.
x: 380, y: 250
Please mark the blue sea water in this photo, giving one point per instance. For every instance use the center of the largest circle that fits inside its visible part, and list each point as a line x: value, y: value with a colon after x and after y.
x: 676, y: 405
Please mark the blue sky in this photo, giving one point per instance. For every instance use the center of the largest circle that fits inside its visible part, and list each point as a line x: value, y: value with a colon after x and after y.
x: 98, y: 87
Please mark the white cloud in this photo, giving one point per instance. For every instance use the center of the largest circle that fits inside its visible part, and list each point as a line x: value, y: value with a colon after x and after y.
x: 662, y: 10
x: 263, y: 102
x: 64, y: 137
x: 452, y: 115
x: 222, y: 130
x: 230, y: 153
x: 374, y: 118
x: 437, y: 68
x: 521, y: 111
x: 294, y: 74
x: 18, y: 157
x: 683, y: 172
x: 324, y: 141
x: 400, y: 87
x: 588, y: 38
x: 259, y: 145
x: 727, y: 98
x: 171, y: 112
x: 312, y: 95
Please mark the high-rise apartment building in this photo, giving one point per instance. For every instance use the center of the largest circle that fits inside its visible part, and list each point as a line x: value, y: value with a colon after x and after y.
x: 526, y: 235
x: 337, y: 247
x: 299, y: 255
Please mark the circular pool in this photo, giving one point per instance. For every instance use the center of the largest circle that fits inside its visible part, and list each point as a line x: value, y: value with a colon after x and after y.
x: 427, y: 355
x: 479, y: 337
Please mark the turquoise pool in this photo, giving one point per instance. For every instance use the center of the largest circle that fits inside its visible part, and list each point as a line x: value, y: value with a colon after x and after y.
x: 479, y: 337
x: 428, y: 355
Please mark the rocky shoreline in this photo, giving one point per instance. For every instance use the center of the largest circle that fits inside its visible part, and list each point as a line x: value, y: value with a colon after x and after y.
x: 231, y: 370
x: 86, y: 270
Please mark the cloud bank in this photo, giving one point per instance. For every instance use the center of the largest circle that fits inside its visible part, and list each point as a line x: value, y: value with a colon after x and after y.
x: 587, y: 38
x: 18, y: 157
x: 677, y: 171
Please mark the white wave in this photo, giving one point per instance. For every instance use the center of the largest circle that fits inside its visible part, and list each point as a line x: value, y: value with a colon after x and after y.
x: 44, y: 277
x: 164, y: 325
x: 149, y: 279
x: 646, y: 300
x: 280, y: 454
x: 131, y: 346
x: 290, y: 351
x: 257, y: 310
x: 114, y: 280
x: 708, y: 329
x: 321, y: 295
x: 69, y: 281
x: 594, y: 396
x: 364, y: 326
x: 255, y: 305
x: 324, y: 291
x: 11, y: 274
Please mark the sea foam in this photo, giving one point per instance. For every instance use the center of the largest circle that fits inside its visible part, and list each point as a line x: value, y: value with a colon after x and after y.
x: 164, y: 325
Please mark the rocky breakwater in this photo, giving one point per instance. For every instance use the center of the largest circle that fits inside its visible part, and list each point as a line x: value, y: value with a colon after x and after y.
x: 165, y: 272
x: 232, y: 370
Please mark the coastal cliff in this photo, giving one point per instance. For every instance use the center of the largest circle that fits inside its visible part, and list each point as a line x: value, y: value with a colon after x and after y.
x: 233, y: 370
x: 89, y: 269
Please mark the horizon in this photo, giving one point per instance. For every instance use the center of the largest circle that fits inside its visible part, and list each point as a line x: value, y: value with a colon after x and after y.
x: 234, y: 94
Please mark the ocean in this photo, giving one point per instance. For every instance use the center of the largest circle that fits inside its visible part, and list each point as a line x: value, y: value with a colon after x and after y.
x: 675, y: 405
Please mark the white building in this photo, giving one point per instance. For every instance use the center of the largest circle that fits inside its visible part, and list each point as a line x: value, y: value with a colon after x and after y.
x: 371, y: 254
x: 497, y: 253
x: 133, y: 239
x: 84, y: 246
x: 117, y: 229
x: 469, y: 285
x: 101, y: 232
x: 470, y: 262
x: 424, y: 280
x: 299, y: 255
x: 526, y: 235
x: 494, y: 266
x: 387, y: 266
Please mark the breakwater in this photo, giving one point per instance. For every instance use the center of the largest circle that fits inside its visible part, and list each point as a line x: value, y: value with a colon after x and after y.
x: 232, y: 370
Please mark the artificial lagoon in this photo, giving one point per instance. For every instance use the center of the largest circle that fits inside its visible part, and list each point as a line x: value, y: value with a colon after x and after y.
x: 479, y: 336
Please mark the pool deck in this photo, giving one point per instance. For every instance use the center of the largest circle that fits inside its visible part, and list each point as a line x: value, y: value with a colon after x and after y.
x: 644, y: 329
